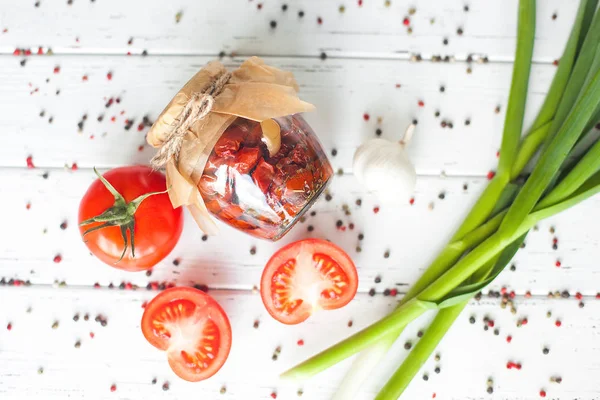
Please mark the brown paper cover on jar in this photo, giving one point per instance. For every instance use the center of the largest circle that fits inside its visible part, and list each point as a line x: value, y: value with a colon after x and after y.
x: 254, y: 91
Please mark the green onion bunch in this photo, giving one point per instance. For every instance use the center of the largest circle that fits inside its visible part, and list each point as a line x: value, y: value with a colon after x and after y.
x: 563, y: 157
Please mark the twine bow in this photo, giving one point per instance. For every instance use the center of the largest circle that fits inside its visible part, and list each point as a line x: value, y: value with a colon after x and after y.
x: 196, y: 109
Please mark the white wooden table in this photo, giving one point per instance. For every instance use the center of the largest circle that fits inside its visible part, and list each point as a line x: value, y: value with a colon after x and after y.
x: 360, y: 59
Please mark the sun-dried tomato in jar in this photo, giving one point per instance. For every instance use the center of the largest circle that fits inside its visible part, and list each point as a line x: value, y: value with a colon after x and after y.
x: 262, y: 194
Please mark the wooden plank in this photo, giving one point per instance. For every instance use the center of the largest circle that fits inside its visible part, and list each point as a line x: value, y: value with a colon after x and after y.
x: 343, y: 91
x: 118, y: 354
x: 346, y: 29
x: 412, y: 234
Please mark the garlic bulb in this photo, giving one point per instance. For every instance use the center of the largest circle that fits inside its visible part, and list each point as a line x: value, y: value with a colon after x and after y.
x: 383, y: 167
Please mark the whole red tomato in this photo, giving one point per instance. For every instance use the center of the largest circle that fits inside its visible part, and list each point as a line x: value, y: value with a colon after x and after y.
x: 126, y: 221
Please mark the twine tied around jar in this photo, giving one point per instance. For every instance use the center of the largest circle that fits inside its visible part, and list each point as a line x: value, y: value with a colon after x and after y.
x: 196, y: 109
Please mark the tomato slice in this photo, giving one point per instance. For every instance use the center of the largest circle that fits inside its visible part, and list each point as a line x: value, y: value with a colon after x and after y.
x: 306, y: 276
x: 192, y: 328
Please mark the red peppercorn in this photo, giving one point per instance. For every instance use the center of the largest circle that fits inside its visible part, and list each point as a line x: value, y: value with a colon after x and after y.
x: 508, y: 339
x: 558, y: 323
x: 9, y: 326
x: 558, y: 263
x: 57, y: 258
x: 109, y: 76
x: 84, y: 78
x: 360, y: 3
x: 319, y: 20
x: 366, y: 116
x: 273, y: 395
x: 524, y: 321
x: 393, y: 292
x: 497, y: 154
x: 140, y: 127
x: 578, y: 296
x: 300, y: 342
x: 40, y: 51
x: 113, y: 388
x: 406, y: 21
x: 512, y: 295
x: 527, y: 294
x: 421, y: 103
x: 74, y: 167
x: 518, y: 366
x: 17, y: 52
x: 28, y: 52
x: 542, y: 393
x: 96, y: 285
x: 490, y: 175
x: 412, y: 201
x: 503, y: 290
x: 56, y: 69
x: 92, y: 335
x: 490, y: 323
x: 376, y: 210
x: 28, y: 206
x: 128, y: 286
x: 597, y: 296
x: 30, y: 162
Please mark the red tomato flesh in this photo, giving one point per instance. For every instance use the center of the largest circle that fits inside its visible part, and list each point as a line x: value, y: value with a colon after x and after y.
x: 158, y: 225
x: 306, y: 276
x: 192, y: 328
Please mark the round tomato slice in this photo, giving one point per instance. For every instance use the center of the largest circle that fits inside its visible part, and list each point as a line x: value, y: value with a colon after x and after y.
x: 192, y: 328
x: 306, y: 276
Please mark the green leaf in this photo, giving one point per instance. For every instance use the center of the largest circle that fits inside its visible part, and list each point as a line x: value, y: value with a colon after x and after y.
x: 580, y: 28
x: 578, y: 77
x: 552, y: 157
x: 420, y: 353
x: 513, y: 123
x: 466, y: 291
x: 587, y: 166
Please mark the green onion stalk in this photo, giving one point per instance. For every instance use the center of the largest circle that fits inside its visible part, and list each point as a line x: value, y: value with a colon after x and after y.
x: 492, y: 232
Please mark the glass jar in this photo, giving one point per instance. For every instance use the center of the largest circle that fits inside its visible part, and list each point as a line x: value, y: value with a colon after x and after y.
x: 264, y: 195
